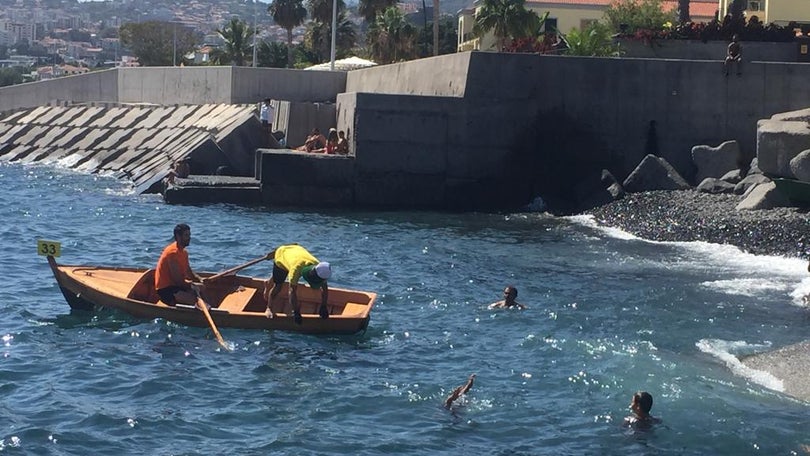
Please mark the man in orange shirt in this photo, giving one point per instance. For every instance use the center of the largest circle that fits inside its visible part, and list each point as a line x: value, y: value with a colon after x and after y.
x: 173, y: 276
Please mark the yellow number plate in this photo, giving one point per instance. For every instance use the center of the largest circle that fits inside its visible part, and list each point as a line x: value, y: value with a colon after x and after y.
x: 49, y: 248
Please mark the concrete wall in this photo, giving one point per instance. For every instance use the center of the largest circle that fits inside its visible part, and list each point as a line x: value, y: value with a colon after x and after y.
x: 95, y: 86
x: 179, y: 85
x: 251, y: 85
x: 433, y: 76
x: 711, y: 50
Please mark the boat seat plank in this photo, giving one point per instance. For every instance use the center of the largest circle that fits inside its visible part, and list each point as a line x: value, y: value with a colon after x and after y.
x: 353, y: 308
x: 237, y: 301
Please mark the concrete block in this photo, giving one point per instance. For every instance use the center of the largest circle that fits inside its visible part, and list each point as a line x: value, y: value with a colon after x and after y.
x: 778, y: 142
x: 286, y: 167
x: 51, y: 137
x: 471, y: 162
x: 278, y: 194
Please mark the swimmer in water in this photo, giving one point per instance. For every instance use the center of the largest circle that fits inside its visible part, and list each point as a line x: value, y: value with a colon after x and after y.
x: 641, y: 404
x: 458, y: 392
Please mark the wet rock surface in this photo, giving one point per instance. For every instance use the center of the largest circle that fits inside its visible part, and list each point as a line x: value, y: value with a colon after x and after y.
x: 687, y: 215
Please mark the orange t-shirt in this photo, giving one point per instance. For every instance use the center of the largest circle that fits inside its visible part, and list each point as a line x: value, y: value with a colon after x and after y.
x: 163, y: 275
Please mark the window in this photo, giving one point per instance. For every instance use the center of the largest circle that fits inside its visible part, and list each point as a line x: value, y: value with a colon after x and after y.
x: 754, y: 5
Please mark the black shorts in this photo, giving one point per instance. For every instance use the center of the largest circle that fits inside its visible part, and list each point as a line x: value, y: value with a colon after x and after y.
x: 279, y: 274
x: 167, y: 294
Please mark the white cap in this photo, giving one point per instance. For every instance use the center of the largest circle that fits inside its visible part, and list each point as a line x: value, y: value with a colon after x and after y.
x: 323, y: 270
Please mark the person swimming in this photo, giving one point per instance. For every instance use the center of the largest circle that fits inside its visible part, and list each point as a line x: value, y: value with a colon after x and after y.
x: 641, y: 404
x: 458, y: 392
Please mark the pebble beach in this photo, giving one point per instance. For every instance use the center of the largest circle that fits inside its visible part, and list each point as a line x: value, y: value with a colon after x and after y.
x: 688, y: 215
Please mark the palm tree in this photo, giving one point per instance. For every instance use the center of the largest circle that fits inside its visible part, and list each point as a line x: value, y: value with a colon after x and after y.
x: 683, y: 11
x: 505, y: 18
x: 392, y: 38
x: 237, y: 35
x: 321, y: 10
x: 370, y: 8
x: 288, y: 14
x: 318, y: 38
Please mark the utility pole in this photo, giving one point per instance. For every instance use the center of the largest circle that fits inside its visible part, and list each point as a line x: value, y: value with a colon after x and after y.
x: 334, y: 35
x: 435, y: 27
x: 255, y: 32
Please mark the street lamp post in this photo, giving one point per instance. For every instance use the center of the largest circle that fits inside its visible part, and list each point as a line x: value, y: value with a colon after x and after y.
x: 334, y: 35
x: 255, y: 32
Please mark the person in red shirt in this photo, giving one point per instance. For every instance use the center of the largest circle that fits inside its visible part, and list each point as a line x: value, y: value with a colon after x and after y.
x: 173, y: 276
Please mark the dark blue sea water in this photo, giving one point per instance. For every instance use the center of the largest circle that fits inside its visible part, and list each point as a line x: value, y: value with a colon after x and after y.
x: 608, y: 315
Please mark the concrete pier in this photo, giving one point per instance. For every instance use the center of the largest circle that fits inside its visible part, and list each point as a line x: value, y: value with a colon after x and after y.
x: 789, y: 364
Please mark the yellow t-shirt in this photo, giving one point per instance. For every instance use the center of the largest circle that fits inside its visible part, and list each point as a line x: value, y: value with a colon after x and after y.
x: 294, y: 258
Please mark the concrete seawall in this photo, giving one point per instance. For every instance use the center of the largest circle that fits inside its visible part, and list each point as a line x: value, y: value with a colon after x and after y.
x: 482, y: 123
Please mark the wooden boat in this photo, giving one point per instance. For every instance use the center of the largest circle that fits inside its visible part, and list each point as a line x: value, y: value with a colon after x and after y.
x: 236, y: 301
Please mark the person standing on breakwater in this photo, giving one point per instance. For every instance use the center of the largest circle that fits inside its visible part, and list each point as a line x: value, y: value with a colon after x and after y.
x: 296, y: 262
x: 509, y: 295
x: 174, y: 279
x: 266, y: 115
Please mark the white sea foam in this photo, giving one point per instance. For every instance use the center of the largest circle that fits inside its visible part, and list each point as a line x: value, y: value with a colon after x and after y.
x: 751, y: 274
x: 724, y: 351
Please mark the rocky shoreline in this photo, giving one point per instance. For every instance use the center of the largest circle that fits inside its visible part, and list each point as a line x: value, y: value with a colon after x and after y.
x: 688, y: 215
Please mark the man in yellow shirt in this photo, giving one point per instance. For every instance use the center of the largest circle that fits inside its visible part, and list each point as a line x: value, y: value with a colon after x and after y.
x: 296, y: 262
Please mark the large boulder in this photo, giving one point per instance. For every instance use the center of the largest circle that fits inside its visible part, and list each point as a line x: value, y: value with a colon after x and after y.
x: 763, y: 196
x: 654, y: 173
x: 800, y: 166
x: 715, y: 161
x: 733, y: 177
x: 778, y: 142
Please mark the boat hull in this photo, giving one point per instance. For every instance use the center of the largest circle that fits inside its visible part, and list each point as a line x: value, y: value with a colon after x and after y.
x: 236, y: 301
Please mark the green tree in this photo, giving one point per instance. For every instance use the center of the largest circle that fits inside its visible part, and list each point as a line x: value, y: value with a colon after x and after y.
x: 288, y: 14
x: 638, y: 14
x: 321, y: 10
x: 11, y: 76
x: 272, y: 54
x: 448, y: 37
x: 391, y: 38
x: 369, y: 9
x: 506, y: 19
x: 153, y: 42
x: 238, y: 36
x: 596, y: 40
x: 318, y: 38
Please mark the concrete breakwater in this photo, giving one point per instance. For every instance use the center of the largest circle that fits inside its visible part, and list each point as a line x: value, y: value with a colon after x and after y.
x: 138, y: 143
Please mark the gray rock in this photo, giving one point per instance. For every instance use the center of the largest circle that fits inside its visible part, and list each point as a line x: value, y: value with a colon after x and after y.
x: 749, y: 181
x: 753, y: 168
x: 714, y: 186
x: 715, y: 161
x: 778, y: 142
x: 654, y: 173
x: 763, y: 196
x: 800, y: 166
x: 733, y: 177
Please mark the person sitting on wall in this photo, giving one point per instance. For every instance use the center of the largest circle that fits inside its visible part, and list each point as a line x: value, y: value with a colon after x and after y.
x: 315, y: 140
x: 331, y: 143
x: 342, y: 144
x: 733, y: 55
x: 180, y: 168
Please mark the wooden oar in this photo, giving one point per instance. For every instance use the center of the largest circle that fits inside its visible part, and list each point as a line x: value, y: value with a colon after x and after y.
x: 204, y: 307
x: 240, y: 267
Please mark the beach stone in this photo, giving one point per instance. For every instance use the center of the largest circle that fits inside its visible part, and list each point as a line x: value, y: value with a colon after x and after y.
x: 753, y: 168
x: 763, y: 196
x: 654, y: 173
x: 714, y: 185
x: 749, y: 181
x: 733, y: 177
x: 778, y: 142
x: 715, y: 161
x: 800, y: 166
